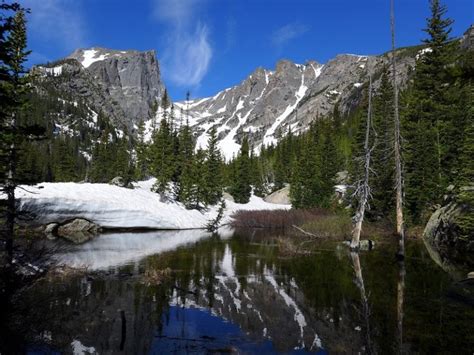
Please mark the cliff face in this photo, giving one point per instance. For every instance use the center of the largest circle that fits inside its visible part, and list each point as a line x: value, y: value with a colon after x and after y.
x: 131, y: 78
x: 122, y: 84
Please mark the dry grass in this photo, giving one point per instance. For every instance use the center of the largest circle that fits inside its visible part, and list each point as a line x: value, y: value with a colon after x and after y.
x: 339, y: 226
x: 322, y: 224
x: 276, y: 219
x: 330, y: 226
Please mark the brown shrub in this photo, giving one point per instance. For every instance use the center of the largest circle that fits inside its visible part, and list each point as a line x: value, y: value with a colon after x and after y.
x: 275, y: 218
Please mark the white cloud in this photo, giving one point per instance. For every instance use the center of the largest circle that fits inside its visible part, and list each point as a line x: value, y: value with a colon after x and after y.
x: 188, y: 51
x: 176, y: 11
x: 290, y: 31
x: 56, y: 21
x: 187, y: 59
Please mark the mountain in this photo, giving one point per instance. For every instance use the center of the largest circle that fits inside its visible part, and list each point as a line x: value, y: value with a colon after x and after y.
x: 268, y: 103
x: 124, y: 85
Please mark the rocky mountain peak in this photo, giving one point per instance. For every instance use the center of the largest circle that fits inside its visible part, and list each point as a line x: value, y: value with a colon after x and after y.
x: 124, y: 84
x: 264, y: 106
x: 267, y: 104
x: 89, y: 56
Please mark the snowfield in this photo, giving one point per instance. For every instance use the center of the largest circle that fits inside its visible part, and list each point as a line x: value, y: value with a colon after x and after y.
x: 111, y: 206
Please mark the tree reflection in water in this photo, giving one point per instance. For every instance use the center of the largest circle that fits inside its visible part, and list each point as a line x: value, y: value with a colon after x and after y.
x: 400, y: 300
x: 365, y: 307
x: 236, y: 293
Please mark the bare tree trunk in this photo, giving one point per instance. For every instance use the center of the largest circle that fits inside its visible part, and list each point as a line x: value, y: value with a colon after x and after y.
x: 363, y: 188
x: 397, y: 143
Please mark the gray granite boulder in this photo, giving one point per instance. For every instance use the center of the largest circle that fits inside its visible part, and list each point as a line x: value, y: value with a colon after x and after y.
x: 78, y: 230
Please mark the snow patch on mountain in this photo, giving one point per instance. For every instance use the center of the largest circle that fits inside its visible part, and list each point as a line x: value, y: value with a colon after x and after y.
x: 55, y: 71
x: 317, y: 71
x: 89, y: 56
x: 269, y: 135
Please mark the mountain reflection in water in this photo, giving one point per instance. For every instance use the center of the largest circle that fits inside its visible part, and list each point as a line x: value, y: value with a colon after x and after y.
x: 239, y: 294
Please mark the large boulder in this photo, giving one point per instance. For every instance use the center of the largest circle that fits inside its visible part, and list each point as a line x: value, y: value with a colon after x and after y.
x: 281, y: 197
x: 450, y: 230
x: 121, y: 182
x: 78, y: 230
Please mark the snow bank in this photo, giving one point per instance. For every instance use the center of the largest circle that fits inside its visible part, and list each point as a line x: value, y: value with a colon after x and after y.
x: 116, y: 207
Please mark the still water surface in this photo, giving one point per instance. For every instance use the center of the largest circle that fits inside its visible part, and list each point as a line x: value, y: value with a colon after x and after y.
x: 236, y: 292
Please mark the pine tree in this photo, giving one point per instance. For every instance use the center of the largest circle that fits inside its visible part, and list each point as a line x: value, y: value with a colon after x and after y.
x: 330, y: 165
x: 142, y: 151
x: 102, y: 158
x: 306, y: 187
x: 465, y: 178
x: 65, y: 166
x: 165, y: 104
x: 279, y: 171
x: 382, y: 203
x: 213, y: 170
x: 162, y: 158
x: 241, y: 189
x: 426, y: 122
x: 200, y: 184
x: 185, y: 163
x: 13, y: 97
x: 121, y: 160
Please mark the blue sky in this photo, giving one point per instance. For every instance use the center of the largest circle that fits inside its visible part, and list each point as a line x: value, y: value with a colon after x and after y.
x: 207, y: 45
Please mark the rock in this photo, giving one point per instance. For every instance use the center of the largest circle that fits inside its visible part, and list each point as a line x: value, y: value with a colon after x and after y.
x: 470, y: 275
x: 281, y: 197
x: 444, y: 232
x: 50, y: 230
x: 227, y: 196
x: 120, y: 182
x: 342, y: 177
x: 117, y: 181
x: 130, y: 78
x: 78, y: 230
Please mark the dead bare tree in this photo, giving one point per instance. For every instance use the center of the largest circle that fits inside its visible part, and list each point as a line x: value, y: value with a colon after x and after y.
x: 397, y: 142
x: 363, y: 188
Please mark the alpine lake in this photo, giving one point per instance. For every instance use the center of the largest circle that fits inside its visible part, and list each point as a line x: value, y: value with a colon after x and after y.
x: 237, y: 292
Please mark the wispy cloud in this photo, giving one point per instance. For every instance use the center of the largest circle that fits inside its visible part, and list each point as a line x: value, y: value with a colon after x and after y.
x: 286, y: 33
x: 57, y: 22
x: 177, y: 12
x: 188, y: 50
